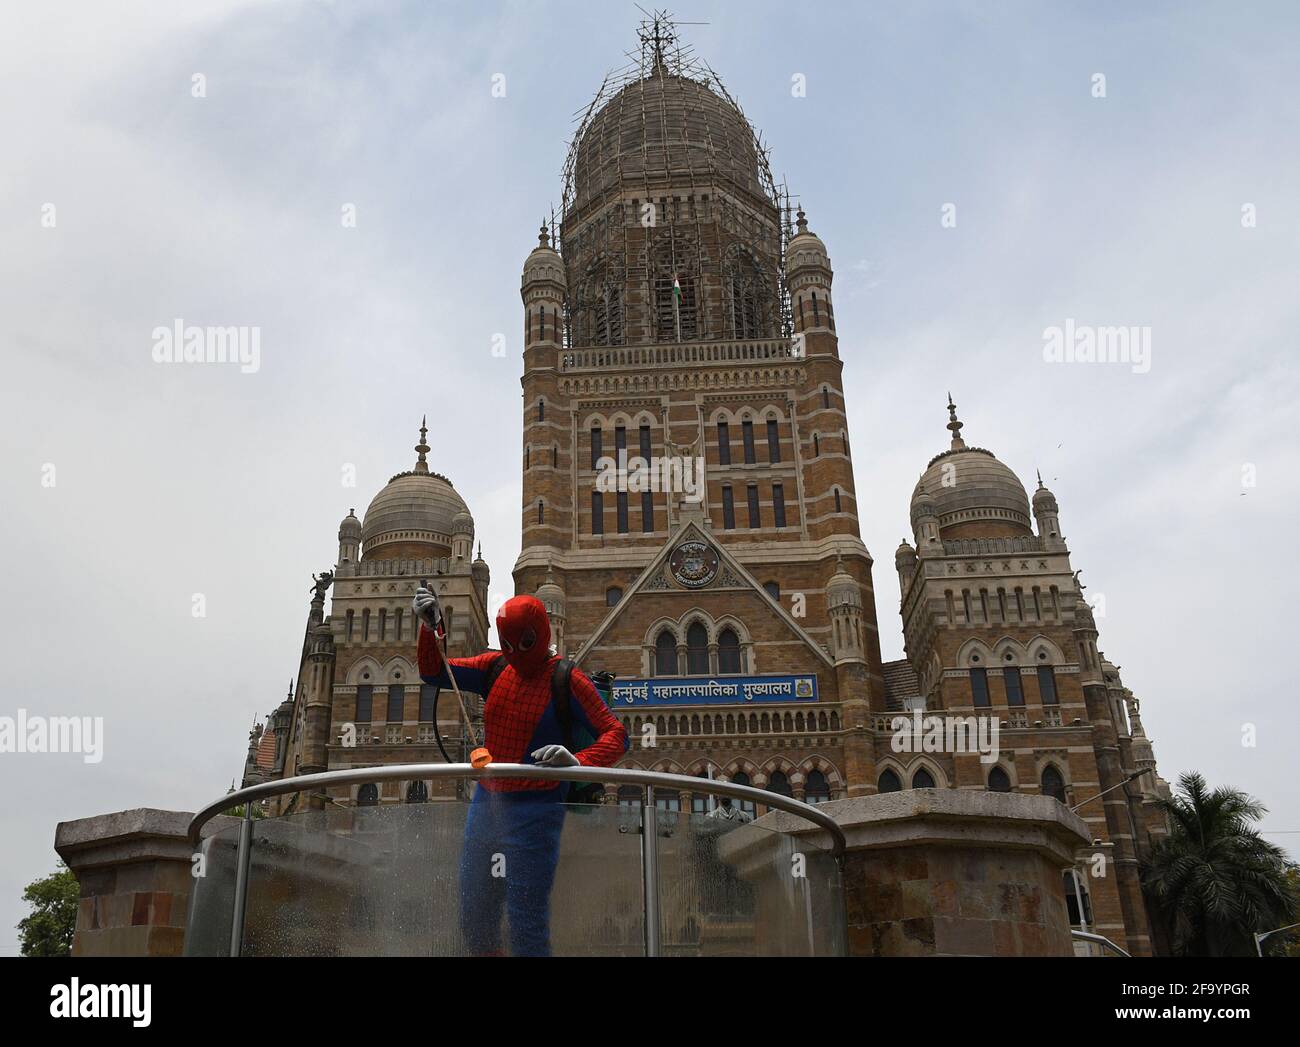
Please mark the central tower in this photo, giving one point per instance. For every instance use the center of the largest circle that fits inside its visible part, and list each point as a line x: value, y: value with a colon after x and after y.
x: 689, y: 511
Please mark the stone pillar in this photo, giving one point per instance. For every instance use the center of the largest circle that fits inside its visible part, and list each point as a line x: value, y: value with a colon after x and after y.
x: 134, y: 871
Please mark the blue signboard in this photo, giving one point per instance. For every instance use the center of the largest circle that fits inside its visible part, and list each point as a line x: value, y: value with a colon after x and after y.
x: 704, y: 690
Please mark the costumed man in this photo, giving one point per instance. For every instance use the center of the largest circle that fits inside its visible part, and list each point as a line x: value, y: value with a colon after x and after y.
x: 518, y: 819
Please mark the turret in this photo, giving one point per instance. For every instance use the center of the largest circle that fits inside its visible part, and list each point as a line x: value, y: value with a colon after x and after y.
x: 1048, y: 517
x: 350, y: 538
x: 462, y: 536
x: 552, y: 596
x: 844, y: 605
x: 809, y: 275
x: 542, y: 290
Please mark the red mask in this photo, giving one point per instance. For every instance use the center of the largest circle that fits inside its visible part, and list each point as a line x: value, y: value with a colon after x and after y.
x: 525, y: 634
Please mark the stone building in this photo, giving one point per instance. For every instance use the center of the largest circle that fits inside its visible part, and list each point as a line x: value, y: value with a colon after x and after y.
x: 358, y: 699
x: 690, y: 520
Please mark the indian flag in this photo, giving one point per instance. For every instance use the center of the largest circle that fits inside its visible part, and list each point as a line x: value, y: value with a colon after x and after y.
x: 677, y: 290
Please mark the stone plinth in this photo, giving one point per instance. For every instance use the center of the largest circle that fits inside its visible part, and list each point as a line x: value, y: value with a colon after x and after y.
x: 134, y: 870
x: 945, y: 872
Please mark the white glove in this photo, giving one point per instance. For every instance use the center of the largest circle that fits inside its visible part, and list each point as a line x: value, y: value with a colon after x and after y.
x: 425, y: 606
x: 555, y: 756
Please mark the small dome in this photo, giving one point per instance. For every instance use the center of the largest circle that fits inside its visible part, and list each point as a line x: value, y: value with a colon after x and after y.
x: 551, y: 595
x: 1044, y: 500
x: 350, y: 527
x: 843, y: 588
x: 972, y: 493
x: 1083, y: 618
x: 543, y: 263
x: 462, y: 523
x: 905, y: 556
x: 805, y: 249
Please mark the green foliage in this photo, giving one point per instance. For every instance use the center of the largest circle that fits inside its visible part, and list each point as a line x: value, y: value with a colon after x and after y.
x: 1214, y: 881
x: 47, y: 929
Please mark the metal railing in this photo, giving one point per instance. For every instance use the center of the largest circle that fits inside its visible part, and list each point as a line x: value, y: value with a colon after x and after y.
x: 648, y: 780
x: 1097, y: 939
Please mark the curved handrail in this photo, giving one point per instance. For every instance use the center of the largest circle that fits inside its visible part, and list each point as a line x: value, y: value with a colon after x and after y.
x: 602, y: 775
x: 1097, y: 939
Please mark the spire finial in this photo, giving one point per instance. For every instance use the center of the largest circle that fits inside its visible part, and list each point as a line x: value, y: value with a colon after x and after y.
x: 955, y: 426
x: 801, y: 220
x: 422, y: 448
x: 543, y: 237
x: 480, y: 549
x: 1040, y: 478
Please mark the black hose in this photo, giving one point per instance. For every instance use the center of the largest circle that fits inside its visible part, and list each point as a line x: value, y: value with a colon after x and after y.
x: 437, y: 731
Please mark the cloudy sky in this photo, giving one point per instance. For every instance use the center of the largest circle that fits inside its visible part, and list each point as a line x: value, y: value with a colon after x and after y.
x: 127, y: 203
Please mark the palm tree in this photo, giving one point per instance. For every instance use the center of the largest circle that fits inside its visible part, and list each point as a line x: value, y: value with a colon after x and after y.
x: 1214, y: 881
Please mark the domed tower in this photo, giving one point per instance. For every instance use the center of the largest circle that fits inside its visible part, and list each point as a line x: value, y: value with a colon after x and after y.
x: 547, y: 451
x: 687, y: 474
x: 551, y: 594
x: 462, y: 535
x: 350, y: 538
x: 1048, y: 515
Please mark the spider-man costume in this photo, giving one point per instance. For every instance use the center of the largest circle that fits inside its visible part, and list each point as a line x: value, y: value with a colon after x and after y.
x: 518, y: 819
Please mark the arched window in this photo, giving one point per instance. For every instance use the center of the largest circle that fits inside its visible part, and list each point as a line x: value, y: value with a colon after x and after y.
x: 838, y: 507
x: 697, y: 650
x: 773, y: 590
x: 889, y: 782
x: 815, y: 789
x: 1052, y: 783
x: 417, y: 792
x: 368, y: 795
x: 922, y: 779
x: 748, y: 303
x: 668, y: 799
x: 666, y: 654
x: 674, y: 290
x: 629, y: 796
x: 741, y: 778
x: 729, y: 652
x: 999, y: 782
x: 612, y: 595
x: 779, y: 783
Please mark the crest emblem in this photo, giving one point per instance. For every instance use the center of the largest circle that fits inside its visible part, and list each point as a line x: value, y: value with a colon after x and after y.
x: 694, y: 564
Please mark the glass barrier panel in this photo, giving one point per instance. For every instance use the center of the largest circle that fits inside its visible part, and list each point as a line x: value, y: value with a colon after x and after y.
x: 212, y: 896
x: 732, y: 888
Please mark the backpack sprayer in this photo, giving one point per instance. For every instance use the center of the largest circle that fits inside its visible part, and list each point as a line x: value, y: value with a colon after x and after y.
x: 479, y: 757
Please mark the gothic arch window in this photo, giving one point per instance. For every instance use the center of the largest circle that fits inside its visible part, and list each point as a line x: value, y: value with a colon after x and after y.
x: 1052, y: 783
x: 368, y: 795
x: 666, y: 654
x: 417, y: 792
x: 773, y: 590
x: 778, y: 783
x: 612, y: 595
x: 922, y: 779
x: 673, y: 293
x: 602, y: 306
x: 729, y: 657
x: 815, y: 789
x: 999, y: 781
x: 697, y: 650
x: 741, y: 778
x: 889, y: 782
x: 838, y: 504
x: 748, y: 295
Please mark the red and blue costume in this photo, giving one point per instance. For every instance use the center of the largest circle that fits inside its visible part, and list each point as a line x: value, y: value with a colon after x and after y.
x: 512, y: 832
